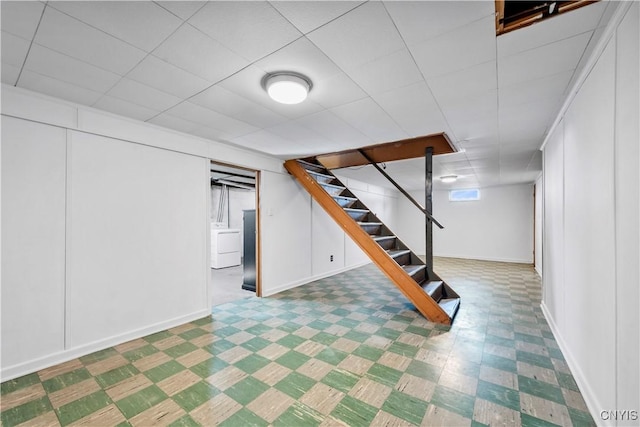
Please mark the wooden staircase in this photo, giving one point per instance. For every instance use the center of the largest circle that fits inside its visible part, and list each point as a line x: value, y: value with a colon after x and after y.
x: 428, y: 292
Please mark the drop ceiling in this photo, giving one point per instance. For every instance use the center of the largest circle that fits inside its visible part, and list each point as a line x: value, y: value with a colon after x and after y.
x: 381, y: 71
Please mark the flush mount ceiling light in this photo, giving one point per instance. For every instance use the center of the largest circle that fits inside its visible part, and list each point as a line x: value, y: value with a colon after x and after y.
x: 447, y: 179
x: 287, y: 87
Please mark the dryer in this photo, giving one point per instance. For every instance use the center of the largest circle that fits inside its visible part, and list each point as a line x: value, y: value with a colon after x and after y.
x: 225, y: 247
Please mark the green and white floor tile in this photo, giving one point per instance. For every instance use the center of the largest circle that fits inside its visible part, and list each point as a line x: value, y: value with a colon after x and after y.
x: 346, y: 350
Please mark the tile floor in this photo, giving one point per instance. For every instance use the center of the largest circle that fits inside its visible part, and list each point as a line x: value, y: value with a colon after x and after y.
x: 346, y: 350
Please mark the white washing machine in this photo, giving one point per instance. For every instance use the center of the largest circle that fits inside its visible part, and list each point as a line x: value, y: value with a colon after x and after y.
x: 225, y: 247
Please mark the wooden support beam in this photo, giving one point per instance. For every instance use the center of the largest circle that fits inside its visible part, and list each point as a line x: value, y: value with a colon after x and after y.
x: 398, y: 150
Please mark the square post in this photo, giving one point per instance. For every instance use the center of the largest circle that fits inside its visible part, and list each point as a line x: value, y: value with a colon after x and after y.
x: 428, y: 192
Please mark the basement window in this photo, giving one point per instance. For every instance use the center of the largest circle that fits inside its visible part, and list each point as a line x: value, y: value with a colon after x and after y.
x: 464, y: 195
x: 512, y: 14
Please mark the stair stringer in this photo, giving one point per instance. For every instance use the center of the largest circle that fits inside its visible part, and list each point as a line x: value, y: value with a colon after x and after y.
x: 427, y: 306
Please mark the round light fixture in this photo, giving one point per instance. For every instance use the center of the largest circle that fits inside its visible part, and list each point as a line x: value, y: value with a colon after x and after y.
x: 447, y: 179
x: 287, y: 87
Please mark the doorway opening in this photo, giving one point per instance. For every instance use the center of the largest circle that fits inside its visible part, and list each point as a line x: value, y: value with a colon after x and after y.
x: 235, y: 237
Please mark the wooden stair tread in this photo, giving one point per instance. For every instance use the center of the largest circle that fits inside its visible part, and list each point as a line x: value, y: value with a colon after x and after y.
x: 431, y: 286
x: 380, y: 238
x: 413, y: 269
x: 321, y: 174
x: 450, y: 306
x: 324, y: 184
x: 394, y: 253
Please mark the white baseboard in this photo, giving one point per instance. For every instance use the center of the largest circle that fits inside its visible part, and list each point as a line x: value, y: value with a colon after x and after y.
x: 479, y: 258
x: 588, y: 394
x: 306, y: 280
x: 28, y: 367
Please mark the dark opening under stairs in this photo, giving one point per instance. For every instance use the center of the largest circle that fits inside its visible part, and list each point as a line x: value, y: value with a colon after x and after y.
x: 431, y: 296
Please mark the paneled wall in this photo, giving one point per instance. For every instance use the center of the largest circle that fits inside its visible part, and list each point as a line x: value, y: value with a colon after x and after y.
x: 33, y: 240
x: 591, y: 225
x: 105, y: 229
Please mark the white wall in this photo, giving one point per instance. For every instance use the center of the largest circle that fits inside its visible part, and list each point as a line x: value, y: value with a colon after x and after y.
x: 106, y: 222
x: 310, y: 235
x: 135, y: 247
x: 498, y: 227
x: 537, y: 238
x: 591, y: 230
x: 33, y: 218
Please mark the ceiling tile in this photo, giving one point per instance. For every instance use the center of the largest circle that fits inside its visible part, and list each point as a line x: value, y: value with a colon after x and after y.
x: 534, y: 90
x: 328, y: 125
x: 309, y: 15
x: 275, y: 145
x: 175, y: 123
x: 484, y: 142
x: 360, y: 36
x: 67, y: 35
x: 14, y: 50
x: 230, y: 127
x: 366, y: 116
x: 414, y: 109
x: 230, y: 104
x: 527, y: 121
x: 465, y: 109
x: 142, y: 24
x: 551, y: 30
x: 543, y: 61
x: 57, y: 88
x: 182, y: 9
x: 471, y: 81
x: 9, y: 74
x: 468, y: 46
x: 486, y: 163
x: 198, y: 54
x: 21, y: 18
x: 163, y: 76
x: 251, y: 29
x: 210, y: 133
x: 479, y: 127
x: 124, y: 108
x: 386, y: 73
x: 143, y: 95
x: 423, y: 20
x: 64, y: 68
x: 336, y: 90
x: 294, y: 132
x: 302, y: 57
